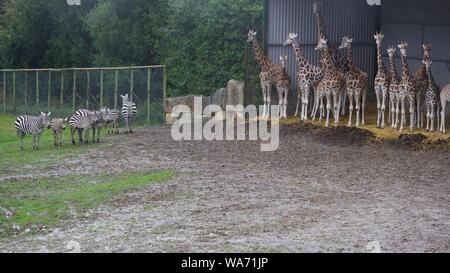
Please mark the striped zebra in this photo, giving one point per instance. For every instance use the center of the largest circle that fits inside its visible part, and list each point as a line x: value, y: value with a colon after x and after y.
x: 103, y: 118
x: 113, y: 122
x: 129, y: 111
x: 32, y: 125
x: 84, y: 123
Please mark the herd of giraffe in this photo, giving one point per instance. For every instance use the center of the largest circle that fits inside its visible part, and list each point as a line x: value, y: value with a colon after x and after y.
x: 338, y: 77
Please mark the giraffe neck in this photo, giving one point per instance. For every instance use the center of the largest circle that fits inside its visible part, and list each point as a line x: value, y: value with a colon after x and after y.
x: 405, y: 66
x: 260, y: 57
x: 299, y: 55
x: 379, y: 58
x: 320, y: 22
x: 394, y: 74
x: 430, y: 75
x: 351, y: 64
x: 328, y: 64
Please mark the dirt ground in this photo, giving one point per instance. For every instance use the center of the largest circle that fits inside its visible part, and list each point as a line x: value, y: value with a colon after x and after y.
x: 317, y: 193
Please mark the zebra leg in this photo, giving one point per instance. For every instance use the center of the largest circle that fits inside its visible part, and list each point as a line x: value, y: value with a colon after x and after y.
x: 72, y: 132
x: 98, y: 134
x: 38, y: 138
x: 126, y: 125
x: 21, y: 136
x: 80, y: 136
x: 93, y: 134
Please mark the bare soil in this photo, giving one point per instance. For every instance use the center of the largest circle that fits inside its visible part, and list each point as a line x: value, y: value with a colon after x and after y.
x: 324, y: 190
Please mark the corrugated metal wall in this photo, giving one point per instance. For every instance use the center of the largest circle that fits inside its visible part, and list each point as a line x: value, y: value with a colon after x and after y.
x: 418, y: 22
x: 344, y: 17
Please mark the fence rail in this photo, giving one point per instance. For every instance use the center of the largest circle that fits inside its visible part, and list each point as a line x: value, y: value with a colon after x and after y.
x: 66, y: 89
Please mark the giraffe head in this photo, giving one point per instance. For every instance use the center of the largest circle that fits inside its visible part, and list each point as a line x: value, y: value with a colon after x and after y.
x: 322, y: 44
x: 403, y: 46
x: 391, y: 51
x: 346, y: 42
x: 283, y: 60
x: 426, y: 51
x: 292, y: 37
x: 251, y: 35
x: 379, y: 38
x: 316, y: 7
x: 427, y: 62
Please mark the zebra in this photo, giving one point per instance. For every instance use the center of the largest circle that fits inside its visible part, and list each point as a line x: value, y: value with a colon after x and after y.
x: 32, y: 125
x: 129, y: 111
x: 58, y: 125
x: 113, y: 122
x: 86, y: 122
x: 104, y: 118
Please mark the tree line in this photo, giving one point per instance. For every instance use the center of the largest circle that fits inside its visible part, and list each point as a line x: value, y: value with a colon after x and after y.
x: 203, y: 42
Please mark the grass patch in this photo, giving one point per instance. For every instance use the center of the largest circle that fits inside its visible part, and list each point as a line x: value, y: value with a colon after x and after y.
x: 36, y: 203
x: 12, y: 156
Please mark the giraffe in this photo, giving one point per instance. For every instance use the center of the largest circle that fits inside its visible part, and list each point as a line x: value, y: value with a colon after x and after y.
x: 422, y: 84
x: 445, y: 98
x: 332, y: 84
x: 431, y: 96
x: 283, y: 87
x: 382, y: 82
x: 357, y: 82
x: 393, y: 89
x: 265, y: 63
x: 340, y: 61
x: 406, y: 89
x: 308, y: 75
x: 270, y: 73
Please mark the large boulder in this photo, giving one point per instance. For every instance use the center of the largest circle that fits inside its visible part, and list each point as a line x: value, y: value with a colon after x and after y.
x: 235, y: 93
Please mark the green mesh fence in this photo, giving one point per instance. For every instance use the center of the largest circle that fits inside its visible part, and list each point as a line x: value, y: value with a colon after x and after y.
x: 62, y: 91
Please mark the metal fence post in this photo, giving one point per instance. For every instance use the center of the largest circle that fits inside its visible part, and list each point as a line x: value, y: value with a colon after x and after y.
x: 131, y: 83
x: 74, y: 90
x: 61, y: 99
x: 149, y: 75
x: 37, y: 91
x: 164, y: 91
x: 14, y: 92
x: 116, y: 86
x: 26, y: 92
x: 4, y: 92
x: 88, y: 83
x: 101, y: 88
x: 49, y: 90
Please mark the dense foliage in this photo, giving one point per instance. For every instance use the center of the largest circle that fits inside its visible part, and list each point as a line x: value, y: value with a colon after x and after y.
x: 203, y: 42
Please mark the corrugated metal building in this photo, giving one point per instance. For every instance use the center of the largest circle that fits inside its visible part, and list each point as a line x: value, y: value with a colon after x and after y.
x: 415, y: 21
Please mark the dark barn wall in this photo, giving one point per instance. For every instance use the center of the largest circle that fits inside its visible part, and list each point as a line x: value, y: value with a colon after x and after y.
x: 415, y: 21
x: 418, y: 22
x: 344, y: 17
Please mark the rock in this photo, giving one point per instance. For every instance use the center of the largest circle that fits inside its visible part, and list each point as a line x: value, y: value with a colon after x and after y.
x: 235, y: 93
x: 218, y: 97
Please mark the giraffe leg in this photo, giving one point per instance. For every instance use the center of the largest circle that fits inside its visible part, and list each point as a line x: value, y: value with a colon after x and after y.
x: 397, y: 113
x: 336, y: 102
x: 358, y: 106
x: 411, y: 114
x: 344, y: 102
x: 350, y: 101
x: 443, y: 110
x: 383, y: 106
x: 402, y: 122
x: 280, y: 101
x: 433, y: 111
x: 263, y: 87
x: 299, y: 94
x: 438, y: 115
x: 307, y: 95
x: 322, y: 106
x: 419, y: 110
x: 363, y: 108
x: 378, y: 93
x: 269, y: 101
x: 327, y: 123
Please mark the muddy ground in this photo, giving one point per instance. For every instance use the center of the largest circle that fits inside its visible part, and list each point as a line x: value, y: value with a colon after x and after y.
x: 320, y: 192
